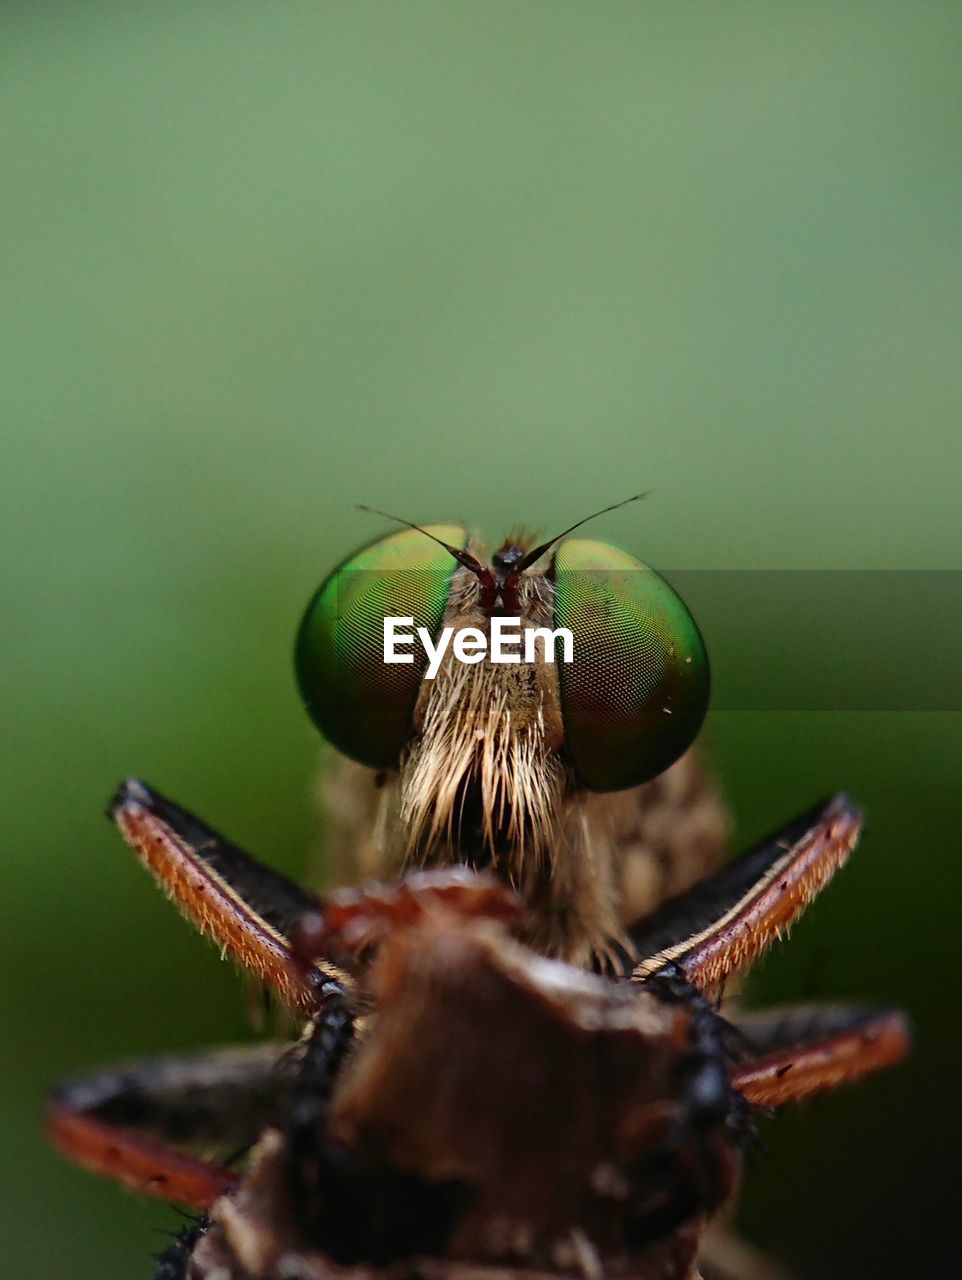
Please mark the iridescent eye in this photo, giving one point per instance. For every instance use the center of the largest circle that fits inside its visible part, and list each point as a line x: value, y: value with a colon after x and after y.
x: 636, y: 692
x: 361, y: 704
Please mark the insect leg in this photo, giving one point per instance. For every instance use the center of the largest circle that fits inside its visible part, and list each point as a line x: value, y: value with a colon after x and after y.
x: 305, y: 1124
x: 245, y: 907
x: 137, y: 1162
x: 806, y: 1050
x: 125, y: 1123
x: 695, y: 1168
x: 173, y: 1263
x: 725, y: 923
x: 219, y: 1096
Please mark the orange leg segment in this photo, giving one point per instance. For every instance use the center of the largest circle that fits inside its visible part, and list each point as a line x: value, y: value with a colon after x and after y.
x: 725, y: 924
x: 137, y: 1162
x: 215, y: 885
x: 870, y: 1042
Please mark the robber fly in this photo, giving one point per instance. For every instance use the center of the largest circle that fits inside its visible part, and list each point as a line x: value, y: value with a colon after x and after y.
x: 538, y: 771
x: 501, y: 1068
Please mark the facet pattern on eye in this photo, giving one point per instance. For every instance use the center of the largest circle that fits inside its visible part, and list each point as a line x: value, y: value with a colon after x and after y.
x: 361, y: 704
x: 636, y: 693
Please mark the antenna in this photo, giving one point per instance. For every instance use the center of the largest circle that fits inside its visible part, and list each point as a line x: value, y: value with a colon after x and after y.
x: 537, y: 552
x: 463, y: 557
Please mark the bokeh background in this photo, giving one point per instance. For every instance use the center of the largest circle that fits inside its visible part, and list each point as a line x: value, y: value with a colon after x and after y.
x: 499, y: 262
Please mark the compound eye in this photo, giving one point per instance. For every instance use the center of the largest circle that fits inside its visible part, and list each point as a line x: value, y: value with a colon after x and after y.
x: 636, y: 692
x: 363, y: 705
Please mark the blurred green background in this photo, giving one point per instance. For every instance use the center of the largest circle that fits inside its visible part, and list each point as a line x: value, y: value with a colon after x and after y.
x: 500, y: 262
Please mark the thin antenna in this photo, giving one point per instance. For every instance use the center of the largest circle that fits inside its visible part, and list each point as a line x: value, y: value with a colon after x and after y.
x: 463, y: 557
x: 528, y: 560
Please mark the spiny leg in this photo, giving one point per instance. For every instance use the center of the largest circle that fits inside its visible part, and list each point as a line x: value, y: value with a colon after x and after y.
x: 715, y: 1121
x: 137, y: 1162
x: 720, y: 927
x: 125, y: 1123
x: 248, y: 910
x: 310, y: 1071
x: 345, y: 1202
x: 793, y: 1054
x: 802, y: 1051
x: 224, y: 1096
x: 727, y: 922
x: 245, y: 907
x: 174, y: 1261
x: 326, y: 1046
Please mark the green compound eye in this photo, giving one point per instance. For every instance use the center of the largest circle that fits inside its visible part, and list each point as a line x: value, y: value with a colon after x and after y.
x: 634, y: 697
x: 362, y: 704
